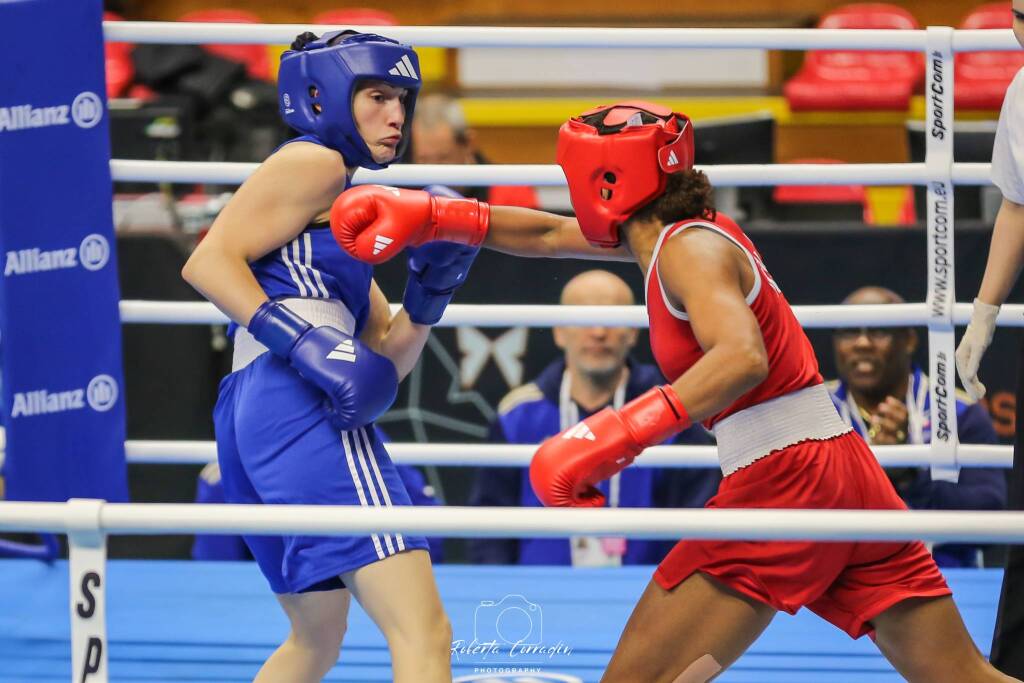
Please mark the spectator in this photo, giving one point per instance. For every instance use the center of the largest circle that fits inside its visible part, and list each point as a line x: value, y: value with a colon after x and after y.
x: 884, y: 395
x: 440, y: 136
x: 595, y: 372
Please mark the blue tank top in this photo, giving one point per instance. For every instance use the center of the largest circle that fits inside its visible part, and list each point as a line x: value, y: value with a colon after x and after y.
x: 313, y: 265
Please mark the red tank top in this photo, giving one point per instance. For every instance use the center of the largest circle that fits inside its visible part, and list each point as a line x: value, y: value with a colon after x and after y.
x: 791, y: 361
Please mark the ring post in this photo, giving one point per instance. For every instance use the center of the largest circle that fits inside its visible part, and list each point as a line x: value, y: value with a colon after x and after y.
x: 60, y: 356
x: 87, y: 552
x: 941, y: 289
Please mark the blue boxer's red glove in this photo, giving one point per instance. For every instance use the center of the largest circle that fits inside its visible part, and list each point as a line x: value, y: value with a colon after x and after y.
x: 436, y: 270
x: 360, y: 383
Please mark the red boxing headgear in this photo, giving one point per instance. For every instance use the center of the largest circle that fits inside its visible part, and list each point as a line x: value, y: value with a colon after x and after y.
x: 617, y: 158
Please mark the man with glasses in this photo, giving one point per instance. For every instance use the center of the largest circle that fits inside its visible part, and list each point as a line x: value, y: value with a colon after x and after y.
x: 884, y: 395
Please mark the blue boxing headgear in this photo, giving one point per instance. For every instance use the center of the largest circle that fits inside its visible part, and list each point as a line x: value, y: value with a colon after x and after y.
x: 316, y: 85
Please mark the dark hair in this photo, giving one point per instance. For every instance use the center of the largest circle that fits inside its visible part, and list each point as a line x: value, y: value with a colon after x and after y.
x: 307, y: 37
x: 688, y: 194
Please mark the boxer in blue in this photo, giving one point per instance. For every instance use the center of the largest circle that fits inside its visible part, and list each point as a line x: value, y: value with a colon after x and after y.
x: 318, y: 358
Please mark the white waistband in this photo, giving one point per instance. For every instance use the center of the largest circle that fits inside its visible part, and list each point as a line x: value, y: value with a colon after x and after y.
x: 754, y: 432
x: 318, y: 312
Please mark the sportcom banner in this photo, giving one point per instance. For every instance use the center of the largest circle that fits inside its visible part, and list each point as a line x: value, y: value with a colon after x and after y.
x: 60, y: 333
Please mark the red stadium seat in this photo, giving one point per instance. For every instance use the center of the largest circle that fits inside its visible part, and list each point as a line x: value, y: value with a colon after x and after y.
x: 513, y: 195
x: 836, y: 196
x: 356, y: 16
x: 119, y: 66
x: 818, y: 194
x: 848, y: 80
x: 255, y: 57
x: 982, y: 77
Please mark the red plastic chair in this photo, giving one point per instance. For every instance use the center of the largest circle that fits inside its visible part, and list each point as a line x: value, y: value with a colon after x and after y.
x: 982, y: 77
x: 356, y: 16
x: 818, y: 194
x: 254, y: 57
x: 794, y: 195
x: 119, y: 66
x: 513, y: 195
x: 858, y: 80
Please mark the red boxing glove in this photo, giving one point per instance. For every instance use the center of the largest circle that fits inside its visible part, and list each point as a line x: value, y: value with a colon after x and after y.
x: 566, y: 467
x: 373, y: 222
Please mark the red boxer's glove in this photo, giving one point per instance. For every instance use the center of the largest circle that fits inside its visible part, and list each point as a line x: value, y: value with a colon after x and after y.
x: 566, y: 467
x: 373, y: 223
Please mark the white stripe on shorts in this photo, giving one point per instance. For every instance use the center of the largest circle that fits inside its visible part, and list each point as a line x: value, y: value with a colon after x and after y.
x: 380, y: 480
x: 359, y: 486
x: 360, y: 451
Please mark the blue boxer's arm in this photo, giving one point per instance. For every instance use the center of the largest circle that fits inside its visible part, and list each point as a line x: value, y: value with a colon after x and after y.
x: 436, y: 270
x: 360, y: 383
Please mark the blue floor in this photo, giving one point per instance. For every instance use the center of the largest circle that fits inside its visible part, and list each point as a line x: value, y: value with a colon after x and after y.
x: 198, y: 621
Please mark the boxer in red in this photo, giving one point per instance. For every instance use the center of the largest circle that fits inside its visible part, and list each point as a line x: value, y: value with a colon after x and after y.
x: 738, y: 361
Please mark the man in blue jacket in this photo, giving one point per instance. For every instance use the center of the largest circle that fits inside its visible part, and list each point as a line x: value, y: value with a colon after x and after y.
x: 885, y: 397
x: 595, y: 372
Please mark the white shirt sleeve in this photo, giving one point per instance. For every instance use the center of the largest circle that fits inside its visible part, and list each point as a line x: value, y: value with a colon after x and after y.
x: 1008, y: 150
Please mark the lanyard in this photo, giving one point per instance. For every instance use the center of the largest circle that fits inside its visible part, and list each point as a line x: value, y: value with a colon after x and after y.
x: 569, y: 414
x: 915, y: 400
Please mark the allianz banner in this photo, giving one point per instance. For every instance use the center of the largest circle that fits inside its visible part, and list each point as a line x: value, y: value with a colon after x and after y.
x: 60, y: 333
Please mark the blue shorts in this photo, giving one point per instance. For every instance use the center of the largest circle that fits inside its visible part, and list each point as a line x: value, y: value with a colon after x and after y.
x: 276, y: 446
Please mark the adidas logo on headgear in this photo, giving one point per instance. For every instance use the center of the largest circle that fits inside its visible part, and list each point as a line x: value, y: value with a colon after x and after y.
x: 672, y: 158
x: 346, y: 351
x: 380, y: 243
x: 403, y: 67
x: 580, y: 431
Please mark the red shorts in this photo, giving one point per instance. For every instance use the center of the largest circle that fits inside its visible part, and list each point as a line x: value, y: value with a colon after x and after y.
x: 845, y: 583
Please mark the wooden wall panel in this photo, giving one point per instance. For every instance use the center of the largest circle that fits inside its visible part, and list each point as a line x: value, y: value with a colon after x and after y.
x: 518, y: 145
x: 853, y: 144
x: 536, y: 144
x: 603, y: 12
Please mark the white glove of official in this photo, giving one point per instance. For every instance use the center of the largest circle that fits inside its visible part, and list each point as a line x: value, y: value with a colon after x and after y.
x: 972, y: 347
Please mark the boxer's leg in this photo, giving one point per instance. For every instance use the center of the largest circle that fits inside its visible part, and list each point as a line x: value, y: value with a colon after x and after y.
x: 318, y: 622
x: 400, y: 595
x: 688, y: 634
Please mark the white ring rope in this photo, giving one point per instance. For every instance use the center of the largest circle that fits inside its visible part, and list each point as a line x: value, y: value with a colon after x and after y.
x: 876, y: 525
x: 532, y: 37
x: 549, y: 175
x: 545, y: 175
x: 519, y: 455
x: 539, y: 315
x: 983, y: 40
x: 88, y: 521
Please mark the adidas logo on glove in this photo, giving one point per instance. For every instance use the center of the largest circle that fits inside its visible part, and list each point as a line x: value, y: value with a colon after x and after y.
x: 380, y: 243
x: 580, y: 431
x: 346, y: 350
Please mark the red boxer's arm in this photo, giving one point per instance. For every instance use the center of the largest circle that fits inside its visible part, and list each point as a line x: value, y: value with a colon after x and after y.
x: 526, y: 232
x: 709, y: 277
x: 567, y: 466
x: 373, y: 223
